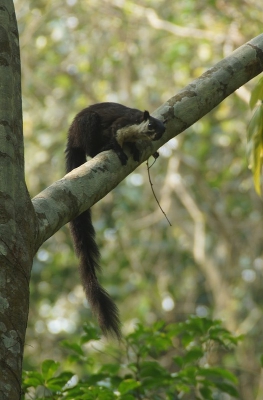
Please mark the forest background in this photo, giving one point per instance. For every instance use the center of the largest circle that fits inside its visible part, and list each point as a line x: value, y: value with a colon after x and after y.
x: 210, y: 261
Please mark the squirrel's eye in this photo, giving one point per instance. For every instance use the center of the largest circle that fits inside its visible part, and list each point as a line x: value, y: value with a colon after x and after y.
x: 150, y: 125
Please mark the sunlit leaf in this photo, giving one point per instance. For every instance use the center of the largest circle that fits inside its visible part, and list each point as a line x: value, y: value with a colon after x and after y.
x: 33, y: 379
x: 255, y: 146
x: 127, y: 385
x: 59, y: 381
x: 193, y: 354
x: 256, y: 94
x: 49, y: 367
x: 91, y: 333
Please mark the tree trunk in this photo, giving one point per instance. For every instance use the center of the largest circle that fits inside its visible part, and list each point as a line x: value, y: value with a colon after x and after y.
x: 16, y: 212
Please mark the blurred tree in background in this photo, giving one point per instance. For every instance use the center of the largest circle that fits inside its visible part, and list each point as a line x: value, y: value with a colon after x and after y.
x: 210, y: 262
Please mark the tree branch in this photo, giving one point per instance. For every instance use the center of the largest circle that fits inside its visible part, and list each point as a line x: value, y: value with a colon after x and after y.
x: 84, y: 186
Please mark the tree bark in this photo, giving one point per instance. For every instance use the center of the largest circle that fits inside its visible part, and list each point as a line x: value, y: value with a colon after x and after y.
x: 16, y: 212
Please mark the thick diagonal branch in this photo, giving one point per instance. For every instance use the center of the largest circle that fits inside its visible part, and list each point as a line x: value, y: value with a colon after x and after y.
x: 84, y: 186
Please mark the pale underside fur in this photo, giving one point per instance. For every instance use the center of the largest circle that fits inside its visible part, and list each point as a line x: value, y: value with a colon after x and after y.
x: 133, y: 133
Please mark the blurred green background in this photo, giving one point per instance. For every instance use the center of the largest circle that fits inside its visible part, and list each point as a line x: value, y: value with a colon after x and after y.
x: 210, y: 262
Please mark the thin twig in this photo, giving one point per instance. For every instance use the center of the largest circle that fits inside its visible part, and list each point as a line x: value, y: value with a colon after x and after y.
x: 149, y: 177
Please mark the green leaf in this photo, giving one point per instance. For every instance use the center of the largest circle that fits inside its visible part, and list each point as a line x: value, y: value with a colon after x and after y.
x: 223, y: 336
x: 127, y: 397
x: 33, y: 379
x: 255, y: 146
x: 215, y: 372
x: 193, y: 354
x: 227, y: 388
x: 179, y: 361
x: 256, y: 94
x: 91, y: 333
x: 95, y: 378
x: 75, y: 347
x: 206, y: 392
x: 49, y: 367
x: 261, y: 361
x: 75, y: 393
x: 110, y: 369
x: 190, y: 373
x: 152, y: 369
x: 90, y: 393
x: 159, y: 325
x: 58, y: 383
x: 127, y: 385
x: 257, y: 169
x: 74, y: 358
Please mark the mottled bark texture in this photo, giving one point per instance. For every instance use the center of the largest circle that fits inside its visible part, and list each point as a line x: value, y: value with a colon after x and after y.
x: 16, y: 212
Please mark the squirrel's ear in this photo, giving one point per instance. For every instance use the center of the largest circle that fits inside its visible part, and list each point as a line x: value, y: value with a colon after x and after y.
x: 146, y: 115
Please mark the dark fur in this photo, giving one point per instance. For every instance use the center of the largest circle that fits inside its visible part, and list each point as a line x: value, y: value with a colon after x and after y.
x: 100, y: 127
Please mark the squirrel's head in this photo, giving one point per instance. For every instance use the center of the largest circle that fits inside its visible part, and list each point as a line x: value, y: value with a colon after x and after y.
x: 154, y: 127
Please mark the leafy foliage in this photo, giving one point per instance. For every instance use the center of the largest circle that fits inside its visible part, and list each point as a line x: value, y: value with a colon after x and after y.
x: 141, y: 373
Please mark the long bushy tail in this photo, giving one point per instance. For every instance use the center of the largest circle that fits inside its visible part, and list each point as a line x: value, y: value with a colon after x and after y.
x: 87, y: 250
